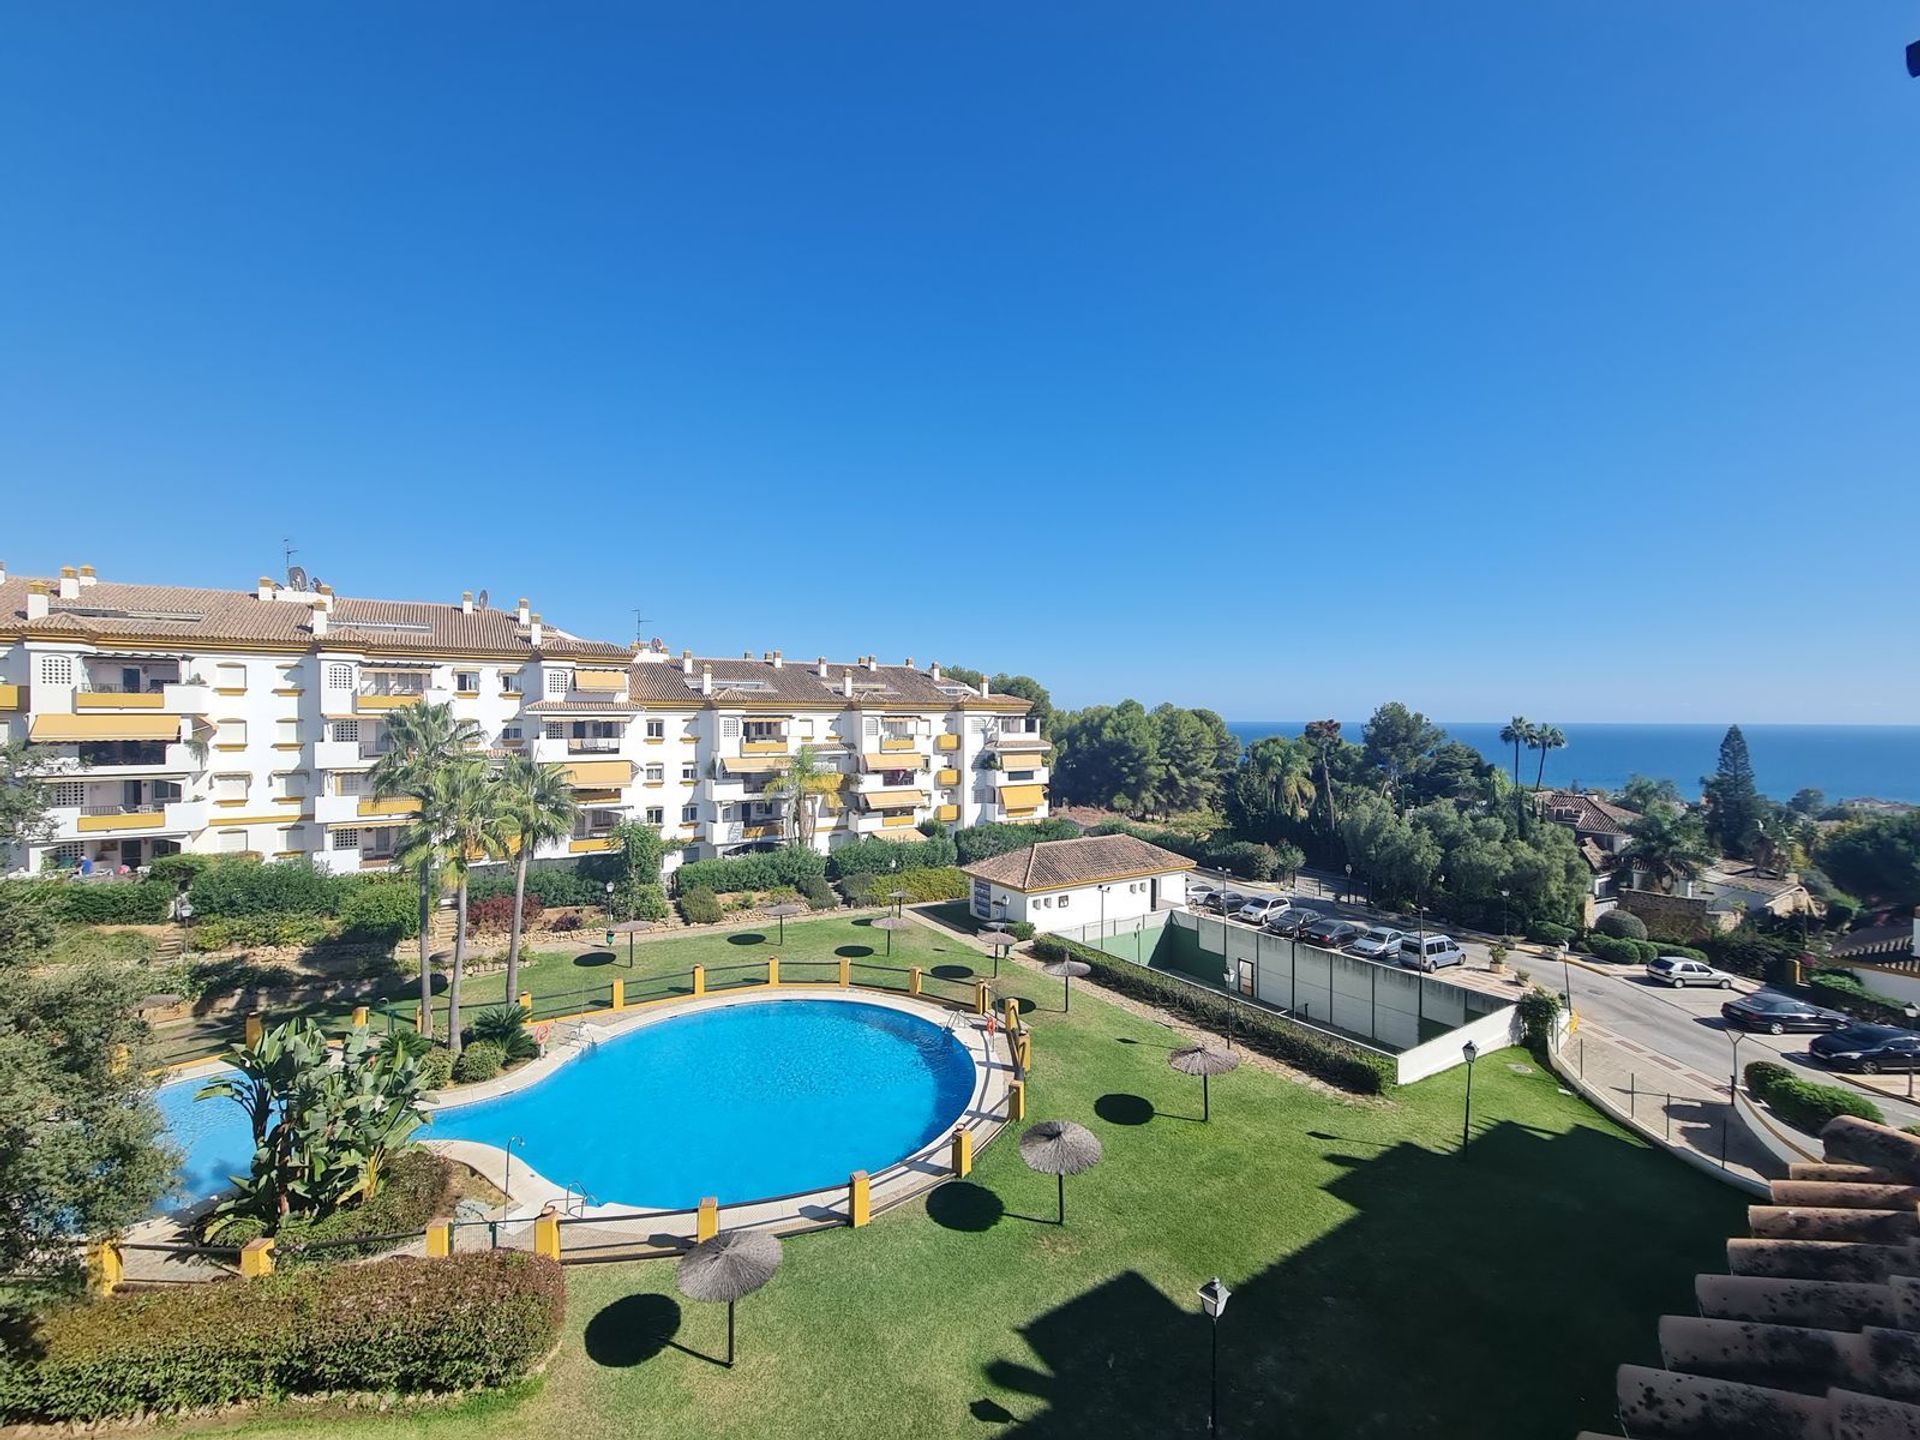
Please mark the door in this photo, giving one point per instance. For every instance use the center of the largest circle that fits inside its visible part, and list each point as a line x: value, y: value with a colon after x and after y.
x: 130, y: 679
x: 1244, y: 982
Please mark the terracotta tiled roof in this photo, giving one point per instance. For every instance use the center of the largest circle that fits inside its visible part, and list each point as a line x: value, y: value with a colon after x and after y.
x: 1596, y: 858
x: 744, y: 680
x: 188, y: 615
x: 1747, y: 878
x: 1588, y: 813
x: 1878, y: 940
x: 1814, y: 1332
x: 575, y: 707
x: 1061, y: 864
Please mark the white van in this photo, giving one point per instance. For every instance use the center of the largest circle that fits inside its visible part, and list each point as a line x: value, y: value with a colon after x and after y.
x: 1430, y: 952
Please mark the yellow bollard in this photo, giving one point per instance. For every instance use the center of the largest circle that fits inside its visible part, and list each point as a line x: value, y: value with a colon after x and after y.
x: 359, y: 1017
x: 859, y: 1198
x: 1017, y: 1100
x: 1012, y: 1011
x: 913, y: 981
x: 773, y: 970
x: 419, y: 1014
x: 980, y: 1003
x: 963, y: 1153
x: 256, y: 1258
x: 440, y: 1240
x: 846, y: 971
x: 619, y: 994
x: 699, y: 980
x: 256, y: 1026
x: 1023, y: 1050
x: 546, y: 1233
x: 526, y: 1001
x: 707, y: 1223
x: 106, y: 1268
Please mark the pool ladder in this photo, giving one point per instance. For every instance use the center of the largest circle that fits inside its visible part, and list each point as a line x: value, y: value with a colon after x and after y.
x: 574, y: 1198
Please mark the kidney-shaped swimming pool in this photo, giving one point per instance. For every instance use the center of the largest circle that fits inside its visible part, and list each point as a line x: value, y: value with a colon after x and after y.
x: 742, y: 1102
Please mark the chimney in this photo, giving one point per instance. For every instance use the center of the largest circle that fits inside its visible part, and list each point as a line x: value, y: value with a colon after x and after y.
x: 746, y: 654
x: 846, y: 683
x: 69, y: 583
x: 706, y: 679
x: 520, y: 611
x: 933, y: 671
x: 319, y: 618
x: 537, y: 628
x: 87, y: 577
x: 686, y: 662
x: 36, y: 599
x: 325, y: 592
x: 983, y: 686
x: 3, y: 572
x: 466, y: 602
x: 873, y: 662
x: 823, y: 667
x: 909, y: 662
x: 263, y: 587
x: 778, y: 661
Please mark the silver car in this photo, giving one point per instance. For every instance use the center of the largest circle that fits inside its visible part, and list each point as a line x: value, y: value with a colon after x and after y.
x: 1379, y: 943
x: 1262, y: 908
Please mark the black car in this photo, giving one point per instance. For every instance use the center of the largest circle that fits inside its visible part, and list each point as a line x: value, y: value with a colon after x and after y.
x: 1777, y: 1014
x: 1224, y: 902
x: 1868, y: 1049
x: 1331, y: 933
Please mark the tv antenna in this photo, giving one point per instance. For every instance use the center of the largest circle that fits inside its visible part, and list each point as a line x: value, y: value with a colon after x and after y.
x: 639, y: 623
x: 286, y: 544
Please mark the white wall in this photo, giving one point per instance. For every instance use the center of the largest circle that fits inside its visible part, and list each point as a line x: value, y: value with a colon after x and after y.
x: 1125, y: 900
x: 1488, y: 1033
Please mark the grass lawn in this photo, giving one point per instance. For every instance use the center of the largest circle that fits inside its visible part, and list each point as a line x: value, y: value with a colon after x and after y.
x: 1385, y: 1284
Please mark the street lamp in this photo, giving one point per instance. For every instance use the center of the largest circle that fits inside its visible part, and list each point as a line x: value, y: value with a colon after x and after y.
x: 609, y: 912
x: 1103, y: 910
x: 1421, y: 905
x: 1503, y: 914
x: 1213, y: 1300
x: 1912, y: 1012
x: 1472, y: 1052
x: 1733, y: 1081
x: 1348, y: 897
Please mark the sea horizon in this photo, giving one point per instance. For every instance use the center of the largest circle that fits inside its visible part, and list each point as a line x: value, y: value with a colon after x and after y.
x: 1844, y: 761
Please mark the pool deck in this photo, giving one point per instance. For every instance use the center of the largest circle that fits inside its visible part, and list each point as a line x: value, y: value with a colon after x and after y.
x: 623, y: 1231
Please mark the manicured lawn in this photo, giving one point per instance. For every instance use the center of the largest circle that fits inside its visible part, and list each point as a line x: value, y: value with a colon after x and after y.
x: 1385, y: 1284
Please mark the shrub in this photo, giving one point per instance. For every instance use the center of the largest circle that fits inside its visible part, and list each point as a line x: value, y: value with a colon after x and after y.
x: 1021, y: 929
x: 1622, y: 925
x: 1746, y: 951
x: 1247, y: 860
x: 787, y: 866
x: 245, y: 931
x: 1545, y: 932
x: 983, y: 842
x: 233, y: 887
x: 505, y: 1026
x: 700, y: 907
x: 495, y: 913
x: 1614, y: 952
x: 1801, y: 1103
x: 179, y: 868
x: 1331, y: 1059
x: 648, y: 901
x: 552, y: 882
x: 817, y: 893
x: 404, y: 1325
x: 436, y: 1068
x: 873, y: 856
x: 1539, y: 1014
x: 417, y: 1187
x: 942, y: 883
x: 479, y: 1061
x: 109, y: 902
x: 568, y: 920
x: 1667, y: 947
x: 1841, y: 990
x: 382, y: 914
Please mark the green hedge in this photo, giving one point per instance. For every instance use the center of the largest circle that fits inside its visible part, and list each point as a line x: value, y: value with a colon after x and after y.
x: 399, y: 1326
x: 700, y: 907
x: 1842, y: 991
x: 818, y: 894
x: 479, y: 1061
x: 922, y: 885
x: 1622, y: 925
x: 1545, y: 932
x: 416, y: 1188
x: 1802, y: 1104
x: 242, y: 931
x: 766, y: 871
x: 553, y: 882
x: 1329, y: 1058
x: 382, y: 914
x: 983, y: 842
x: 284, y: 887
x: 102, y: 902
x: 872, y: 856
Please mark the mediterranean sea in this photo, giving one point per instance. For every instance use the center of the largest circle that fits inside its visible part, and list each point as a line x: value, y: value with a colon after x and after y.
x: 1847, y: 762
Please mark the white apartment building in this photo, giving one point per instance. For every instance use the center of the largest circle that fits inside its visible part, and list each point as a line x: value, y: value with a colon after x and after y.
x: 246, y: 721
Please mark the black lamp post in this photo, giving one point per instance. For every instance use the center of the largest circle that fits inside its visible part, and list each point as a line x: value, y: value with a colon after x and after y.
x: 1421, y: 906
x: 1213, y: 1300
x: 1348, y: 896
x: 1912, y: 1012
x: 1733, y: 1081
x: 1505, y: 925
x: 1472, y: 1052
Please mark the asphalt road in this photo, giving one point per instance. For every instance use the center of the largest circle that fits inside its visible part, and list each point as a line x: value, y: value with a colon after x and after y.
x: 1683, y: 1025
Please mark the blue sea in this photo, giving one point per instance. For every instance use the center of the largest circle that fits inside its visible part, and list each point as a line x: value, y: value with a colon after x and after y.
x: 1847, y: 762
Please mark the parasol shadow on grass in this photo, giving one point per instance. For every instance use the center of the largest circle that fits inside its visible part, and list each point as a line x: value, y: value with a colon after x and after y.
x: 1059, y: 1148
x: 632, y: 1330
x: 727, y: 1268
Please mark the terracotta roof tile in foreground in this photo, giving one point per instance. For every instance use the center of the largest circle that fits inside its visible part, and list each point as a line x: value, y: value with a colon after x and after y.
x: 1089, y: 860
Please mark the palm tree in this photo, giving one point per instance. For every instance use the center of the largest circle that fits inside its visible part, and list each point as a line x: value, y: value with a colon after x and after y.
x: 537, y: 806
x: 1292, y: 781
x: 1545, y: 738
x: 462, y: 811
x: 1668, y: 846
x: 1517, y: 732
x: 425, y: 740
x: 802, y: 781
x: 1323, y: 735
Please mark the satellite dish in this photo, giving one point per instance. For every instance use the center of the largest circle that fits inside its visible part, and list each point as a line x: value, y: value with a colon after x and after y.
x: 481, y: 603
x: 296, y: 578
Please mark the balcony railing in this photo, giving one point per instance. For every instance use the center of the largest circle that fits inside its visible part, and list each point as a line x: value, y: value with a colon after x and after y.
x: 144, y: 807
x: 591, y: 744
x: 148, y: 685
x: 374, y: 749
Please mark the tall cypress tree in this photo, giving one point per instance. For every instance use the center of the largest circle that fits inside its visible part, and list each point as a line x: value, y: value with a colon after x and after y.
x: 1733, y: 802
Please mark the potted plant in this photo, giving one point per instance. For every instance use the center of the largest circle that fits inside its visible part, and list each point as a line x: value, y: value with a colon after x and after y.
x: 1497, y: 958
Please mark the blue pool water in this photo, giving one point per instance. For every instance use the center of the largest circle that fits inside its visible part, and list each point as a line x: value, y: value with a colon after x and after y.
x: 744, y: 1102
x: 212, y: 1136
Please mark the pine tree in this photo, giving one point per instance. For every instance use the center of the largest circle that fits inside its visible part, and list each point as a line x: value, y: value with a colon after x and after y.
x: 1733, y: 802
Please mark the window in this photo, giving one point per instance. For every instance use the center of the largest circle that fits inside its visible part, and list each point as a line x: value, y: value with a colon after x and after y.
x: 513, y: 733
x: 345, y: 840
x: 230, y: 676
x: 656, y: 729
x: 730, y: 727
x: 467, y: 681
x: 689, y: 814
x: 290, y: 786
x: 339, y: 677
x: 656, y: 773
x: 347, y: 731
x: 870, y: 726
x: 559, y: 681
x: 230, y: 787
x: 285, y: 840
x: 510, y: 682
x: 656, y: 815
x: 689, y: 774
x: 804, y: 728
x: 286, y: 732
x: 67, y: 795
x: 56, y: 670
x: 232, y: 842
x: 68, y: 854
x: 1063, y: 901
x: 230, y: 732
x: 350, y: 782
x: 554, y: 730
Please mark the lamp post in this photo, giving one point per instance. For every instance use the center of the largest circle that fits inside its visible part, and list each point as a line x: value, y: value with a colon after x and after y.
x: 1103, y: 910
x: 1504, y: 923
x: 1348, y: 896
x: 609, y: 913
x: 1912, y: 1012
x: 1213, y: 1300
x: 1472, y: 1052
x: 1421, y: 906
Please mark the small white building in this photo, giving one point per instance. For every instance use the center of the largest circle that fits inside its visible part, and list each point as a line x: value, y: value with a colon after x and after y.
x: 1059, y: 884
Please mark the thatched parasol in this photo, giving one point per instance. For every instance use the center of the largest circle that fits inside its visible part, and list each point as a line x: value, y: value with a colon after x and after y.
x: 729, y: 1266
x: 891, y: 923
x: 631, y: 928
x: 1204, y: 1061
x: 1059, y: 1148
x: 781, y: 911
x: 1066, y: 971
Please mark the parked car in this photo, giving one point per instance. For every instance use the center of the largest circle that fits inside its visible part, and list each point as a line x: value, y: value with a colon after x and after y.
x: 1430, y: 952
x: 1224, y: 902
x: 1197, y: 893
x: 1680, y: 972
x: 1777, y: 1014
x: 1378, y: 943
x: 1330, y: 932
x: 1290, y: 921
x: 1868, y: 1049
x: 1262, y: 908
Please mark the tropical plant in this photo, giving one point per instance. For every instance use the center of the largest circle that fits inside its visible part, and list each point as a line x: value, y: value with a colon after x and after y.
x: 1544, y: 739
x: 426, y: 739
x: 1323, y: 735
x: 1668, y: 847
x: 461, y: 818
x: 803, y: 781
x: 322, y: 1131
x: 505, y: 1026
x: 537, y: 807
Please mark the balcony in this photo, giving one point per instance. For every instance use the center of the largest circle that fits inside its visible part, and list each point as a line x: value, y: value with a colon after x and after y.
x: 133, y: 757
x: 948, y: 743
x: 143, y: 817
x: 14, y: 697
x: 373, y: 807
x: 347, y: 754
x: 550, y: 749
x: 946, y: 813
x: 591, y: 844
x: 765, y: 745
x: 947, y: 777
x: 168, y: 698
x: 373, y: 704
x: 892, y: 743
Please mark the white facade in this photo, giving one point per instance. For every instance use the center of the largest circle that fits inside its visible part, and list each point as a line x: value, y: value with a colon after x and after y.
x: 1108, y: 902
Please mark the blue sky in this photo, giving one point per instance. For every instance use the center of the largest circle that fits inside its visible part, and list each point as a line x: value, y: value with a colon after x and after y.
x: 1556, y: 358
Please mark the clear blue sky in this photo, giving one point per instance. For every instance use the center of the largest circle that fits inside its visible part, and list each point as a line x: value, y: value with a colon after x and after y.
x: 1543, y: 357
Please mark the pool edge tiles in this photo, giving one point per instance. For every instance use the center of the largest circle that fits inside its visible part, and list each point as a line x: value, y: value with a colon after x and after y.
x: 763, y: 1162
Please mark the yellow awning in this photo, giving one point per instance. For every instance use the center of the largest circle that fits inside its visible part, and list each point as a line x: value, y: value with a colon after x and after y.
x: 1017, y: 763
x: 895, y: 760
x: 1022, y: 797
x: 598, y: 773
x: 597, y: 797
x: 893, y: 799
x: 754, y: 764
x: 600, y: 680
x: 57, y: 729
